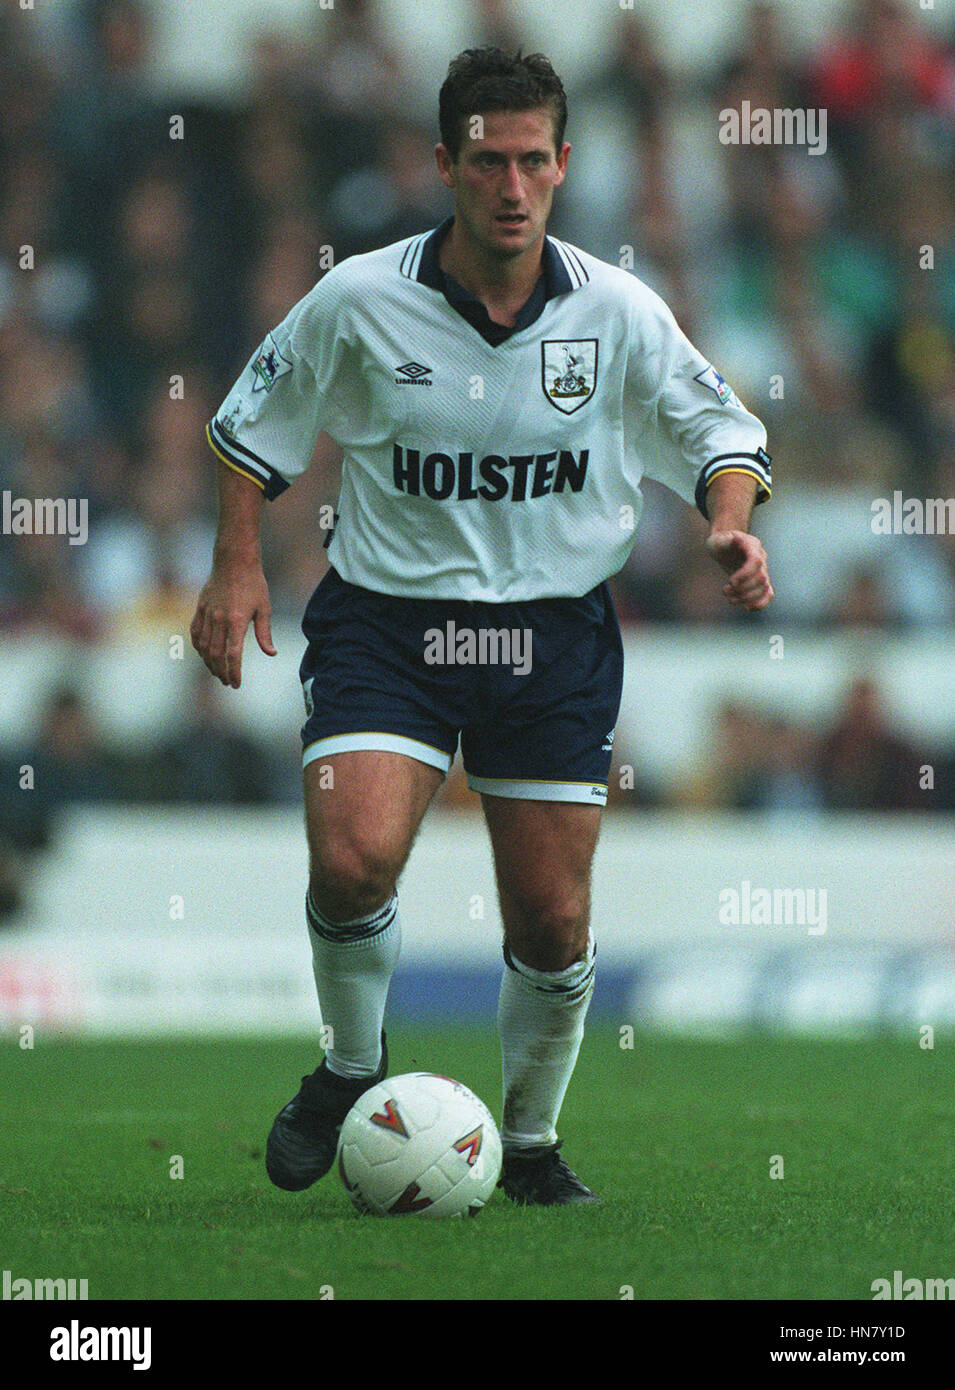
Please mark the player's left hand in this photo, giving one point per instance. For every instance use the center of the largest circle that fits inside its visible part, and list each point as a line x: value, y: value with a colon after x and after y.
x: 743, y: 556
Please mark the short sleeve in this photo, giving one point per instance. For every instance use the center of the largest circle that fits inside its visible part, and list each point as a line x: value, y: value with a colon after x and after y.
x: 696, y: 425
x: 267, y: 426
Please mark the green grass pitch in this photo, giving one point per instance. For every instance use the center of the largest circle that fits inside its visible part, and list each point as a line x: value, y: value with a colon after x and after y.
x: 677, y: 1135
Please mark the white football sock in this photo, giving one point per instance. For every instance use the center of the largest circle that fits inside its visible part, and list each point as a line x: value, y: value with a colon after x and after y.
x: 540, y: 1018
x: 353, y: 964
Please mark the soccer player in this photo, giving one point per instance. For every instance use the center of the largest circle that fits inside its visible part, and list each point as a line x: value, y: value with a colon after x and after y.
x: 498, y: 395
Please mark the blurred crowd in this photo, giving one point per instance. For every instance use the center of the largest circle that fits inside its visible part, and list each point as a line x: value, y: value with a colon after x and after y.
x: 142, y: 258
x: 762, y: 761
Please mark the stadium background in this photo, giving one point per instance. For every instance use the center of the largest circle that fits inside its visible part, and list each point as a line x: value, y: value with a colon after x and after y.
x: 151, y: 856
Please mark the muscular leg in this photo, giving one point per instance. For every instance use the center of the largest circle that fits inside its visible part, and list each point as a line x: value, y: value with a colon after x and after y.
x: 361, y: 821
x: 363, y: 809
x: 542, y: 854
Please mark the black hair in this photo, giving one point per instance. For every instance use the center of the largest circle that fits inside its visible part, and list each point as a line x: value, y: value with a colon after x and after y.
x: 488, y: 79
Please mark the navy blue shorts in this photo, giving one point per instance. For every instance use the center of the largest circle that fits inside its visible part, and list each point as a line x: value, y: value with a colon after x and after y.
x: 531, y: 689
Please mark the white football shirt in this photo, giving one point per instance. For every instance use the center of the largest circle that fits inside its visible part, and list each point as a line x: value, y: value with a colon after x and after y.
x: 472, y: 471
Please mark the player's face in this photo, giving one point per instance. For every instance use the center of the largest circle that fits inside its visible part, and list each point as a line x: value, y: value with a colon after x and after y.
x: 504, y: 181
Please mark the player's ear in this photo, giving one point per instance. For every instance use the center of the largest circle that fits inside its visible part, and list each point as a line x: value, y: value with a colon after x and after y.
x: 562, y: 163
x: 444, y: 162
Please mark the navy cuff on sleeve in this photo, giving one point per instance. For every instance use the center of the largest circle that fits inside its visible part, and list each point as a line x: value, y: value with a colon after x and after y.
x: 758, y: 466
x: 244, y: 461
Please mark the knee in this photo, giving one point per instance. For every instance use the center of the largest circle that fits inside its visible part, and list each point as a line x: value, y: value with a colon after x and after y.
x: 350, y: 876
x: 551, y: 932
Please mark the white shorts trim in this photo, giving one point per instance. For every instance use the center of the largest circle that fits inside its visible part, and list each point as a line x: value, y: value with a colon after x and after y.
x: 374, y: 742
x: 592, y: 793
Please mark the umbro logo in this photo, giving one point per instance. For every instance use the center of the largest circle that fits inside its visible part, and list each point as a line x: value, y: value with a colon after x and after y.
x: 413, y: 374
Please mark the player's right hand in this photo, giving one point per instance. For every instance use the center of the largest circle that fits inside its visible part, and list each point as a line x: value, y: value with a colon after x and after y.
x: 234, y: 595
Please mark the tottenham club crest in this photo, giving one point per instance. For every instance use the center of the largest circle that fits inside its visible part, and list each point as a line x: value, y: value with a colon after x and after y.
x: 569, y: 372
x: 269, y: 366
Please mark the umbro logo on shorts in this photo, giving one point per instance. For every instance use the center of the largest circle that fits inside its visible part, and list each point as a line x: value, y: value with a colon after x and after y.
x: 413, y: 374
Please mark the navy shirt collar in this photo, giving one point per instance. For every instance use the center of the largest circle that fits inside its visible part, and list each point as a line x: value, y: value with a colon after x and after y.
x: 554, y: 280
